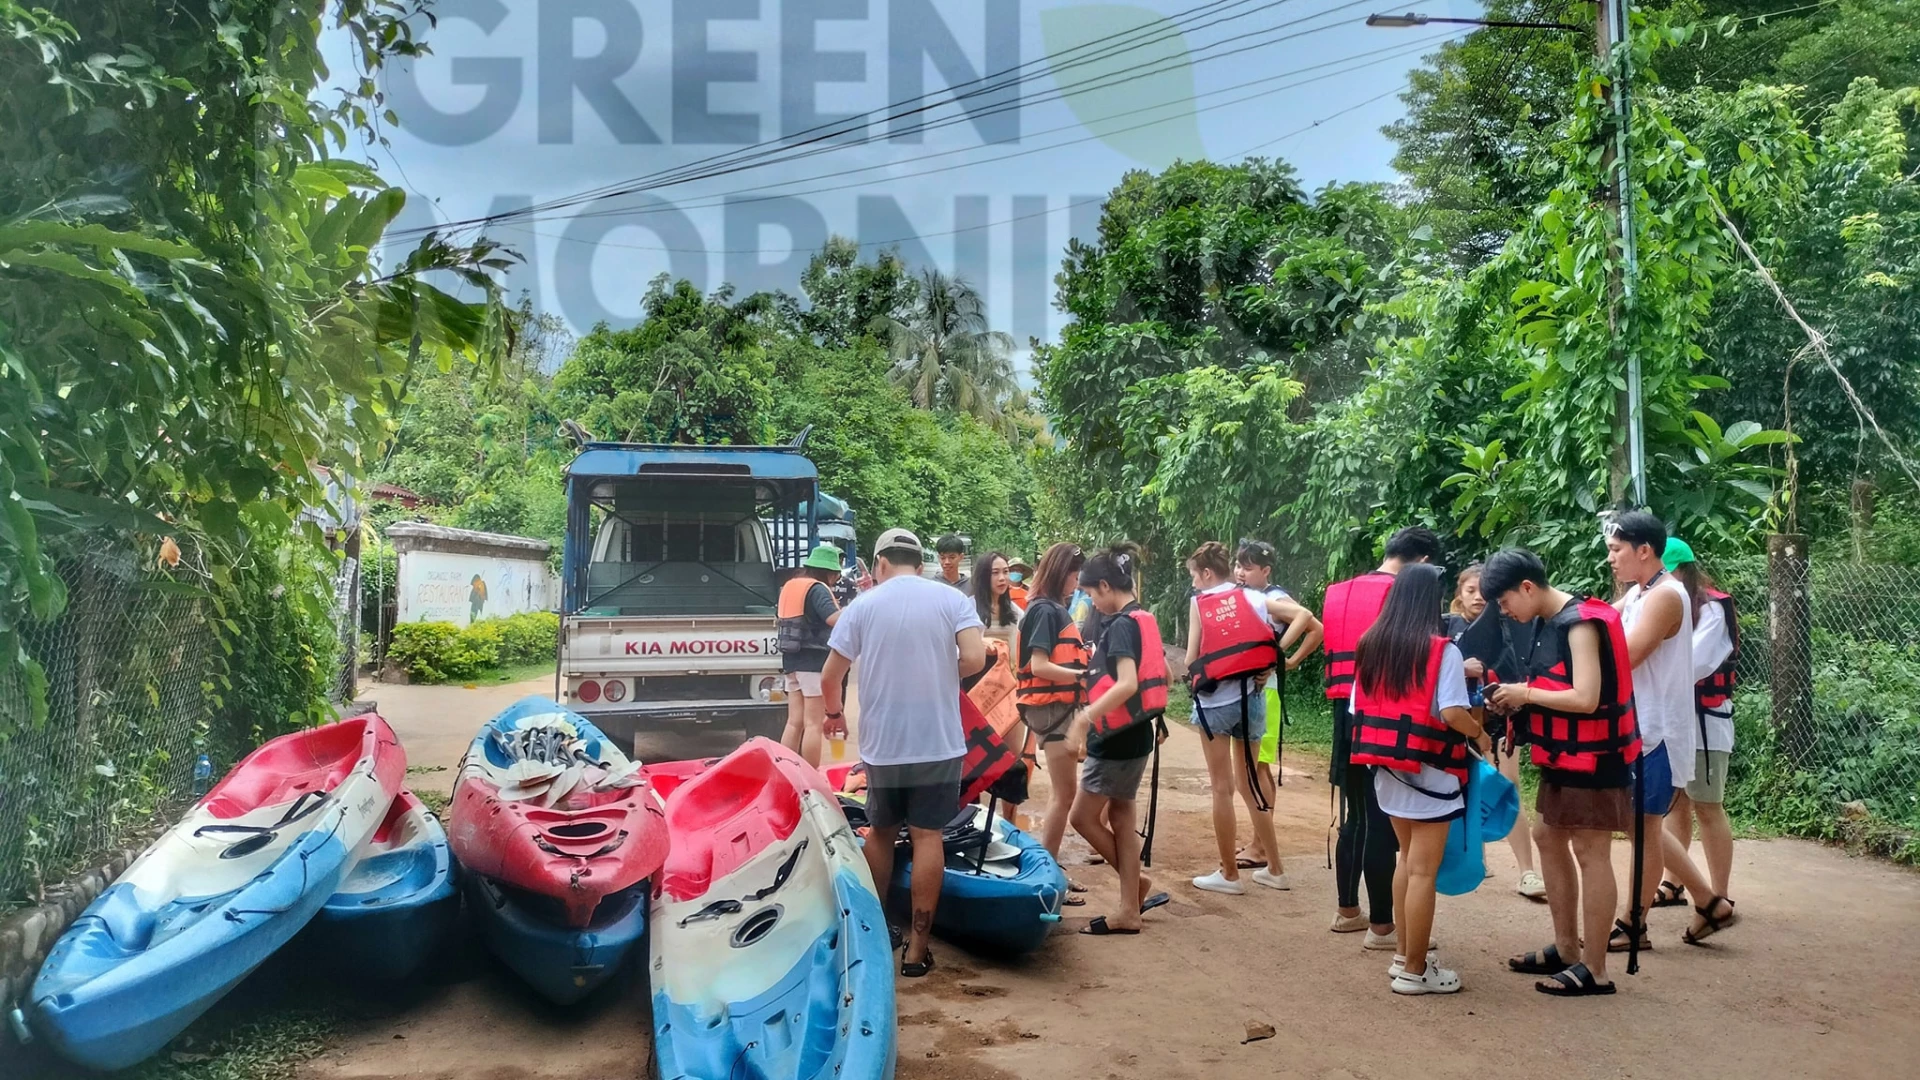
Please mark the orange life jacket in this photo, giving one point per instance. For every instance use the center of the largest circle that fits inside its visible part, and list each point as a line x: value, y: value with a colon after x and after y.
x: 794, y: 631
x: 1712, y: 694
x: 1069, y: 651
x: 1149, y: 698
x: 1350, y: 609
x: 1577, y: 742
x: 993, y: 692
x: 988, y: 758
x: 1403, y: 733
x: 1235, y: 642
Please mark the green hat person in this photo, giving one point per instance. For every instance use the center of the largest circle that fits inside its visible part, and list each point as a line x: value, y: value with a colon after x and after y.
x: 825, y: 557
x: 1678, y: 553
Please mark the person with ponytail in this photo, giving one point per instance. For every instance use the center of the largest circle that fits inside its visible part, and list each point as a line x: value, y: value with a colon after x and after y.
x: 1118, y: 730
x: 1231, y: 649
x: 1716, y: 657
x: 1053, y: 660
x: 1413, y: 719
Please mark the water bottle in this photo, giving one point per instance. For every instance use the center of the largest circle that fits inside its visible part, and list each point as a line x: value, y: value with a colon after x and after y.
x: 202, y: 774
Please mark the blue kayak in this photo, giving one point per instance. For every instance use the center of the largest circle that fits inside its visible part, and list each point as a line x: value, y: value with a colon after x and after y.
x: 770, y: 952
x: 564, y: 964
x: 1005, y: 904
x: 216, y: 895
x: 397, y: 903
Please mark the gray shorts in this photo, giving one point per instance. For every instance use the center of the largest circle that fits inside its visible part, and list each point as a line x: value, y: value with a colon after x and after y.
x: 1113, y: 778
x: 1709, y: 783
x: 1048, y: 723
x: 924, y: 795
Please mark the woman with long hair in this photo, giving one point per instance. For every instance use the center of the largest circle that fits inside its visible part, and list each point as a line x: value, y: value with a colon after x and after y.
x: 1231, y: 649
x: 1118, y: 731
x: 1467, y: 605
x: 1412, y: 722
x: 1716, y: 653
x: 1053, y: 660
x: 993, y: 596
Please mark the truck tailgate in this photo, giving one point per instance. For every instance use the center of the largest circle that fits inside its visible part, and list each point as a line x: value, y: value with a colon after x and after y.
x: 664, y: 645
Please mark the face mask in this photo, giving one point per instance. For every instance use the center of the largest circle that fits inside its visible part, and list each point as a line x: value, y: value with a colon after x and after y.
x: 1016, y: 577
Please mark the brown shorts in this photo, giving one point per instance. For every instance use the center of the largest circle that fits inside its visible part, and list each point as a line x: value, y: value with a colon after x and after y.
x: 1607, y: 809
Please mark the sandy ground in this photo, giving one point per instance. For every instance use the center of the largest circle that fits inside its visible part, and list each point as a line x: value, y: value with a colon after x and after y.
x: 1798, y: 989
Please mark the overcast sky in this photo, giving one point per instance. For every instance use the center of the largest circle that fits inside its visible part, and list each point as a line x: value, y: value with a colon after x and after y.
x: 500, y: 117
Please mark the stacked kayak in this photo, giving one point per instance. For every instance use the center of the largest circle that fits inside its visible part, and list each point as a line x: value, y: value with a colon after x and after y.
x: 201, y: 908
x: 398, y: 902
x: 770, y: 953
x: 556, y: 832
x: 1001, y: 892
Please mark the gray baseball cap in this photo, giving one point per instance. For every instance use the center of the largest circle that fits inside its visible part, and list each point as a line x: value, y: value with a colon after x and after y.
x: 896, y: 540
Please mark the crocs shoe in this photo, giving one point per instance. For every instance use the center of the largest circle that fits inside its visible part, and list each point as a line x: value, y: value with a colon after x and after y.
x: 1435, y: 980
x: 1532, y: 886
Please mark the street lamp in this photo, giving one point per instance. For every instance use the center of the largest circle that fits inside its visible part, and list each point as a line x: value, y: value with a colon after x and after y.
x: 1611, y: 28
x: 1412, y: 19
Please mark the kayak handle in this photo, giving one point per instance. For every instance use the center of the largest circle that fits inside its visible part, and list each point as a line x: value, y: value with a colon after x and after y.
x: 1049, y: 917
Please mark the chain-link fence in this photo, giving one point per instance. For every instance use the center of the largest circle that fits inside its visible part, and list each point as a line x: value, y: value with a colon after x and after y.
x: 1829, y: 710
x: 126, y: 667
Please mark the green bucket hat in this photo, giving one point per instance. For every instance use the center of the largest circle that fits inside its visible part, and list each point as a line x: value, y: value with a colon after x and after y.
x: 824, y: 557
x: 1678, y: 552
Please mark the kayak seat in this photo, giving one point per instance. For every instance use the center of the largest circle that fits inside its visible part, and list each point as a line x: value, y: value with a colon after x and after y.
x: 282, y: 771
x: 724, y: 817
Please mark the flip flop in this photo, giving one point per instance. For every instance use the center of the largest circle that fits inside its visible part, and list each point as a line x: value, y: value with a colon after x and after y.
x: 1075, y: 887
x: 1576, y: 981
x: 1158, y: 899
x: 1073, y: 901
x: 1547, y: 961
x: 1244, y: 863
x: 1097, y: 927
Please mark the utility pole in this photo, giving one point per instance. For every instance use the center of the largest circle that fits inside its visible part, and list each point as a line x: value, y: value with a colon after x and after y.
x: 1627, y: 469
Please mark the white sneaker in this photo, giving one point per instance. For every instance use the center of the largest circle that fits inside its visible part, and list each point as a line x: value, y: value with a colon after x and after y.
x: 1271, y: 880
x: 1532, y: 886
x: 1435, y: 980
x: 1218, y: 882
x: 1349, y: 924
x: 1383, y: 942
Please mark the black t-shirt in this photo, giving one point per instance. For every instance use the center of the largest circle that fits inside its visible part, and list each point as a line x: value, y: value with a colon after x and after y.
x: 1120, y: 638
x: 820, y: 608
x: 1041, y: 627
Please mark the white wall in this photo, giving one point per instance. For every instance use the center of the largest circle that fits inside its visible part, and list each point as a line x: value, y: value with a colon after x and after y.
x: 461, y: 587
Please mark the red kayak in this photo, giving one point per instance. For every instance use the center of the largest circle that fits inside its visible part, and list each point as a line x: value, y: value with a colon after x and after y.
x: 736, y: 809
x: 547, y: 804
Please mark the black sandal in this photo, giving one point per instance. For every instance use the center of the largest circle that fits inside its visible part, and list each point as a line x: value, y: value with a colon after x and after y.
x: 1621, y: 940
x: 1670, y: 894
x: 919, y: 968
x: 1547, y: 961
x: 1576, y: 981
x: 1714, y: 923
x: 1098, y: 927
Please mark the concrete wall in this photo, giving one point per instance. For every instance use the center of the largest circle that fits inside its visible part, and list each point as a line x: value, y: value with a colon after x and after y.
x: 460, y: 576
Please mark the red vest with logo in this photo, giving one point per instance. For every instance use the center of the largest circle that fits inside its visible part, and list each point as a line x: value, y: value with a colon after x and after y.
x: 1235, y: 642
x: 1350, y: 609
x: 1069, y: 651
x: 1713, y: 693
x: 1402, y: 732
x: 1149, y: 699
x: 1576, y: 742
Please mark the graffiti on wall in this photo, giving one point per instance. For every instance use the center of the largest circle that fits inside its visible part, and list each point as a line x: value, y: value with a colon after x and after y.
x: 436, y: 586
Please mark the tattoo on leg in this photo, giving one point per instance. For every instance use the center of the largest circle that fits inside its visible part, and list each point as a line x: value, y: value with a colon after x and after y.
x: 922, y: 921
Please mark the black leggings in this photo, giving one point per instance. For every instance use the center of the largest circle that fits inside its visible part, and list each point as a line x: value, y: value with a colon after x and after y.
x: 1366, y: 848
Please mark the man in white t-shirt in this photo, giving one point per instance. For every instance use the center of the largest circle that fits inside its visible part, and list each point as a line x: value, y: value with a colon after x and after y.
x: 1657, y: 615
x: 915, y: 638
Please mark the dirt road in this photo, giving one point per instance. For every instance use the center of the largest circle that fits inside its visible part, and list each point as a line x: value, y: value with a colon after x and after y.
x: 1803, y: 986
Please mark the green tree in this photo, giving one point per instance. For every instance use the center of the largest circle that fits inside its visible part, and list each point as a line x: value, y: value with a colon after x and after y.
x: 944, y: 353
x: 847, y: 299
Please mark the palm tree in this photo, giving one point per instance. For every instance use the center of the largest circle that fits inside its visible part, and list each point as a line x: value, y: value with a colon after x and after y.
x: 943, y: 353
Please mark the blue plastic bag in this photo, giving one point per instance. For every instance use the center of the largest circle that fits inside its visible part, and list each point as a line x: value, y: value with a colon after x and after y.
x: 1493, y: 804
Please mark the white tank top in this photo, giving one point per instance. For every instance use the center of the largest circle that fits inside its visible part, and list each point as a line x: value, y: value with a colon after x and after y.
x: 1663, y: 683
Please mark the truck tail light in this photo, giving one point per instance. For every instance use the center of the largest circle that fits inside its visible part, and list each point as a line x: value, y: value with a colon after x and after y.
x: 588, y: 691
x: 615, y: 689
x: 770, y: 689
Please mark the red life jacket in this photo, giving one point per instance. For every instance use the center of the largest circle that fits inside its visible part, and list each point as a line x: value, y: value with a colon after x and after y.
x: 1069, y: 651
x: 988, y: 756
x: 1713, y: 693
x: 1403, y: 733
x: 1350, y: 609
x: 1235, y: 642
x: 1149, y: 699
x: 1577, y: 742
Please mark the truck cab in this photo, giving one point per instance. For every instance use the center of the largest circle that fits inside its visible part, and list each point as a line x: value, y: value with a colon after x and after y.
x: 672, y: 568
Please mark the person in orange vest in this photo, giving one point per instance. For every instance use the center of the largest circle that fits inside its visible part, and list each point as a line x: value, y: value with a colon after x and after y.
x: 1412, y: 719
x: 807, y: 614
x: 1575, y: 708
x: 1366, y: 848
x: 1053, y: 659
x: 1019, y: 578
x: 1118, y: 732
x: 1235, y: 638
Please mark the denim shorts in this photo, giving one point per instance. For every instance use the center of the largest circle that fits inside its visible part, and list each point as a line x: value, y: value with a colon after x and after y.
x: 1223, y: 721
x: 1656, y: 780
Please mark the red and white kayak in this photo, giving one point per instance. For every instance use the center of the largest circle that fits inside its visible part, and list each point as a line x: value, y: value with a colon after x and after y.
x: 545, y: 803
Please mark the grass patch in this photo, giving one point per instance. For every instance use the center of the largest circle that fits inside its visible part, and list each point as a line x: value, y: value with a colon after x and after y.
x: 511, y: 673
x: 264, y: 1030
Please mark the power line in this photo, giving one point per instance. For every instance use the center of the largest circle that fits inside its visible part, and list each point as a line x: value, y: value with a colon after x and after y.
x: 723, y: 166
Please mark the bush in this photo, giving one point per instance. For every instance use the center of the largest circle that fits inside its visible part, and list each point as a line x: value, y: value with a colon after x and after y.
x: 442, y: 652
